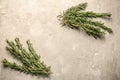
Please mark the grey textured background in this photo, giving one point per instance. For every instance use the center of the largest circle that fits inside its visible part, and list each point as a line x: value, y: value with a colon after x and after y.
x: 72, y: 55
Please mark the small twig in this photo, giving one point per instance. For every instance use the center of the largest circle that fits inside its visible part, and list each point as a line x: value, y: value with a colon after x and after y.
x: 29, y: 59
x: 76, y: 18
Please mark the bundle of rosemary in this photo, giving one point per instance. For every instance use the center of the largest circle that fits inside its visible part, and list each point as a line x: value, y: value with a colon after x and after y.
x: 29, y: 59
x: 76, y: 18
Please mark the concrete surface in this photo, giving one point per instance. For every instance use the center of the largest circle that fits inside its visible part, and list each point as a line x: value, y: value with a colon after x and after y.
x: 72, y: 55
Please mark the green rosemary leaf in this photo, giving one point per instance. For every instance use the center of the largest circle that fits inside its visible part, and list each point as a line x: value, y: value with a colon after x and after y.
x: 76, y: 18
x: 31, y: 63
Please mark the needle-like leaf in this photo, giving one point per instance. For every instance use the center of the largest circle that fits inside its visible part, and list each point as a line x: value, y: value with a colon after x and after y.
x: 29, y: 59
x: 76, y: 18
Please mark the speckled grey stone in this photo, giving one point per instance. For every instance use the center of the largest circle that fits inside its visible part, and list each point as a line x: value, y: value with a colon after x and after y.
x: 72, y: 55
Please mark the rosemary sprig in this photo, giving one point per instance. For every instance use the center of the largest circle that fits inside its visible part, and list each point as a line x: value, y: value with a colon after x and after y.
x: 76, y: 18
x: 29, y: 59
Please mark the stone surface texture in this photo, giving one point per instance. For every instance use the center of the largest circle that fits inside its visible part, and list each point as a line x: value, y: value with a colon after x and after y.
x: 72, y: 55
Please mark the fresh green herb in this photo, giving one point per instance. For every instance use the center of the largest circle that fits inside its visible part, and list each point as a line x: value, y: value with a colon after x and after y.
x: 76, y: 18
x: 29, y: 59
